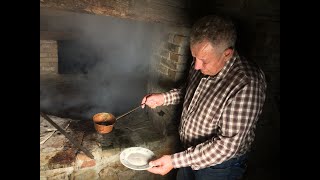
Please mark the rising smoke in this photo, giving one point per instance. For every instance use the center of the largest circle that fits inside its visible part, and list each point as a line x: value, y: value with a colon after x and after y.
x: 109, y: 66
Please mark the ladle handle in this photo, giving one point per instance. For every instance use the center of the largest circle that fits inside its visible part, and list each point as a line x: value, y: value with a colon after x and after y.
x: 129, y: 112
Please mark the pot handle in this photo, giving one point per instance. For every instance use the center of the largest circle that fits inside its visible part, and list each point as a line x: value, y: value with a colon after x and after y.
x: 121, y: 116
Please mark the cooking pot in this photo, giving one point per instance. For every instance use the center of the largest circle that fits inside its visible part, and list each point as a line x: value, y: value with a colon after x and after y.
x: 104, y: 122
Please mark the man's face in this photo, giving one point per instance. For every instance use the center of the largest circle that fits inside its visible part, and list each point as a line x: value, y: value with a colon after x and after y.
x: 208, y: 59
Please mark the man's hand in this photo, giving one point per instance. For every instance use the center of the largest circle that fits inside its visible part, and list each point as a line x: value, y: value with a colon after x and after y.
x: 153, y: 100
x: 161, y: 166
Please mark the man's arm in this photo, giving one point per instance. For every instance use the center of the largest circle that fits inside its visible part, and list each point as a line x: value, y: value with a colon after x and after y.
x: 174, y: 96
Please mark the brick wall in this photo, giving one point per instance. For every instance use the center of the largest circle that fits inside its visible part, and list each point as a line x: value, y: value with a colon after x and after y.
x: 173, y: 53
x: 169, y: 67
x: 48, y: 57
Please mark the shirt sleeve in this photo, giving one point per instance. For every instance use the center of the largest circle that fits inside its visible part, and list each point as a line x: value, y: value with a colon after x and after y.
x: 237, y: 121
x: 173, y: 97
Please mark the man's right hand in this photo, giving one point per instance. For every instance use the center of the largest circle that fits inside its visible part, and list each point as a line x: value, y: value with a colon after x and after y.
x: 153, y: 100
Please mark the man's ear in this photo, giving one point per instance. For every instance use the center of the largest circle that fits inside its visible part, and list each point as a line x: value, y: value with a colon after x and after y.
x: 228, y: 52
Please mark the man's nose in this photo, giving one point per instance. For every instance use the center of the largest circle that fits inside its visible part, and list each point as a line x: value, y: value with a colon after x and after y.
x: 197, y: 65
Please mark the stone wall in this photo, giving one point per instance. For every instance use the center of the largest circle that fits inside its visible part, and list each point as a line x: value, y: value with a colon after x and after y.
x: 48, y: 57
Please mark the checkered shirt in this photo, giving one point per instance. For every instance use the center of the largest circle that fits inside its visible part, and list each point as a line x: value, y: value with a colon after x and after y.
x: 219, y: 113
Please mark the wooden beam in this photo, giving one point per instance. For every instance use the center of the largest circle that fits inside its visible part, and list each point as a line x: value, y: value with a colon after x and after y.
x: 49, y: 35
x: 171, y: 12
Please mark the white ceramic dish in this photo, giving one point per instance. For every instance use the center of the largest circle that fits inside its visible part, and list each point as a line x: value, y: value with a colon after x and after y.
x: 136, y: 158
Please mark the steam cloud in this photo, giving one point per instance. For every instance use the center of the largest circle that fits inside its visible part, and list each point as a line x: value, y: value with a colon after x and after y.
x: 114, y: 54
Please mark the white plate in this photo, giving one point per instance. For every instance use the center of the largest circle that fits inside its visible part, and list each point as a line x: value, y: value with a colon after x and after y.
x: 136, y: 158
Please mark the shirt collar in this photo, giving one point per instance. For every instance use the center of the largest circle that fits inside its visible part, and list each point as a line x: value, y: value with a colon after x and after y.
x: 226, y: 67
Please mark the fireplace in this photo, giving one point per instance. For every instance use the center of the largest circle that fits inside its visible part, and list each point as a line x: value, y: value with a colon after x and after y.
x: 100, y: 63
x: 93, y: 62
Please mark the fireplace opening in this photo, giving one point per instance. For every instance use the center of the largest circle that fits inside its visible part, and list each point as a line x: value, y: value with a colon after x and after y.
x: 105, y: 68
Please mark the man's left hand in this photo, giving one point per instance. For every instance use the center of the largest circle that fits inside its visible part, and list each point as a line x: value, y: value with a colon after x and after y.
x: 161, y: 166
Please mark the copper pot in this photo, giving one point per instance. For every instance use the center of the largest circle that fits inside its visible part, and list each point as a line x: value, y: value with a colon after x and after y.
x: 104, y: 122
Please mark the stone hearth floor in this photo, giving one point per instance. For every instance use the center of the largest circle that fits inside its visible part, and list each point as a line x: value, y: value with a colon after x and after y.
x: 60, y: 159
